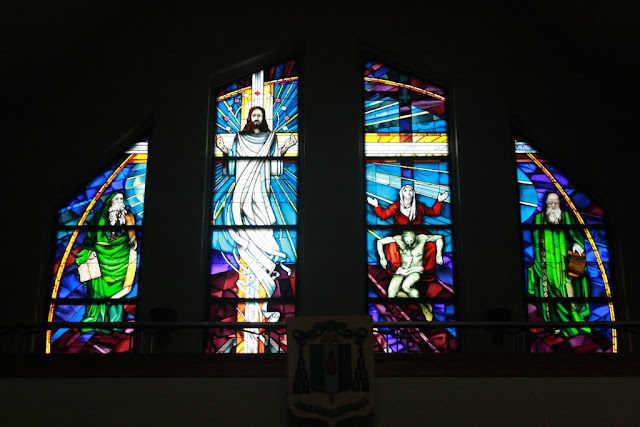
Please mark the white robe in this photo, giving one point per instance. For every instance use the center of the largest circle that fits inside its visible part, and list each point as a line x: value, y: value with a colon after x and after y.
x: 251, y: 205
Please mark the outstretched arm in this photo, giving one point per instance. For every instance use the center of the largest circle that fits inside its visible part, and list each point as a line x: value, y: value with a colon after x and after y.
x: 290, y: 142
x: 220, y: 145
x: 439, y: 245
x: 443, y: 196
x: 380, y: 211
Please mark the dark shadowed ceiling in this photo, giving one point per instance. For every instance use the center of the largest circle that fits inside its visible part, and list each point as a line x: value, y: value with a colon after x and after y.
x: 41, y: 38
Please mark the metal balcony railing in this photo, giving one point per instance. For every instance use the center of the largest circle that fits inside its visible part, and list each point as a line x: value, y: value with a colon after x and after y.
x: 153, y: 337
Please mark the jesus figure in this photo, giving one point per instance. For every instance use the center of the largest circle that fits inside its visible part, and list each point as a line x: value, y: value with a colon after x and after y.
x: 256, y: 245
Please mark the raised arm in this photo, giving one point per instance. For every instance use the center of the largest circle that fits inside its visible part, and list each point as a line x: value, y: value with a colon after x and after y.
x: 434, y: 210
x: 384, y: 213
x: 290, y: 142
x: 220, y: 145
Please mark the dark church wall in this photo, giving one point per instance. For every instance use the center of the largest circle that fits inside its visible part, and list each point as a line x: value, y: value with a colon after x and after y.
x: 249, y: 401
x: 563, y: 72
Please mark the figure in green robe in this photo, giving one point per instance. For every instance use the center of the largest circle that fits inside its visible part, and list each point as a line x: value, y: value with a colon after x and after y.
x: 549, y: 277
x: 114, y: 248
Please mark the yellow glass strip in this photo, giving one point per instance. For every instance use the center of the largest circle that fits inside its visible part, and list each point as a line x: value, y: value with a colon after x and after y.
x: 290, y: 173
x: 381, y: 108
x: 285, y: 79
x: 225, y: 114
x: 237, y: 91
x: 278, y: 94
x: 290, y: 187
x: 285, y: 193
x: 374, y: 234
x: 288, y: 91
x: 411, y: 179
x: 65, y: 256
x: 287, y: 230
x: 395, y: 137
x: 592, y: 242
x: 139, y: 158
x: 215, y: 215
x: 288, y: 121
x: 240, y: 309
x: 406, y: 86
x: 134, y: 186
x: 232, y: 93
x: 137, y: 176
x: 430, y: 138
x: 409, y: 167
x: 406, y: 116
x: 285, y: 222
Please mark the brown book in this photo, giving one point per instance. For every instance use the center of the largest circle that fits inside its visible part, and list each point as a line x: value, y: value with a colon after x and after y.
x: 576, y: 264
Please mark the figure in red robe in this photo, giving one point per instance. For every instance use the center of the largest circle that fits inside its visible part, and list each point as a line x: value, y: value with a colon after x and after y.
x: 407, y: 211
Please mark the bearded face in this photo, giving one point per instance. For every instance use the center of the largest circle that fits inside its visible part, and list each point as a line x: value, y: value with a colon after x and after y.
x: 256, y: 118
x: 117, y: 211
x: 256, y: 121
x: 409, y: 238
x: 554, y: 214
x: 553, y: 211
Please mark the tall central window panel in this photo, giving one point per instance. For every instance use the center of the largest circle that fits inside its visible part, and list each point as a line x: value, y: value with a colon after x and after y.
x: 254, y: 213
x: 409, y: 239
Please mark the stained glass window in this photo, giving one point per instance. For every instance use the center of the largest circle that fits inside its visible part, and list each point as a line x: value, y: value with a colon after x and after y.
x: 254, y: 212
x: 97, y: 260
x: 409, y: 236
x: 566, y: 259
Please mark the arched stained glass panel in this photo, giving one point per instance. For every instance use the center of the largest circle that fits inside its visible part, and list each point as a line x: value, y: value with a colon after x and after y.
x: 409, y: 237
x: 97, y: 259
x: 567, y: 265
x: 254, y: 214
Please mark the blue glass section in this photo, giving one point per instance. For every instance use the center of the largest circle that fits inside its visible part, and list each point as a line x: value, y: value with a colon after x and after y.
x: 285, y: 107
x: 384, y: 180
x: 228, y: 113
x: 227, y: 257
x: 282, y: 196
x: 134, y: 190
x: 530, y: 175
x: 381, y: 115
x: 528, y: 196
x: 130, y: 181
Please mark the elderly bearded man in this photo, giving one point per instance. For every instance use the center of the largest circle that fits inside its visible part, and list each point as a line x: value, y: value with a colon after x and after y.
x: 548, y: 277
x: 251, y: 205
x: 113, y: 248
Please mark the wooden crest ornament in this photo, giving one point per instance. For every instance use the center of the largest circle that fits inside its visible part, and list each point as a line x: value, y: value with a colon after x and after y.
x: 330, y: 367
